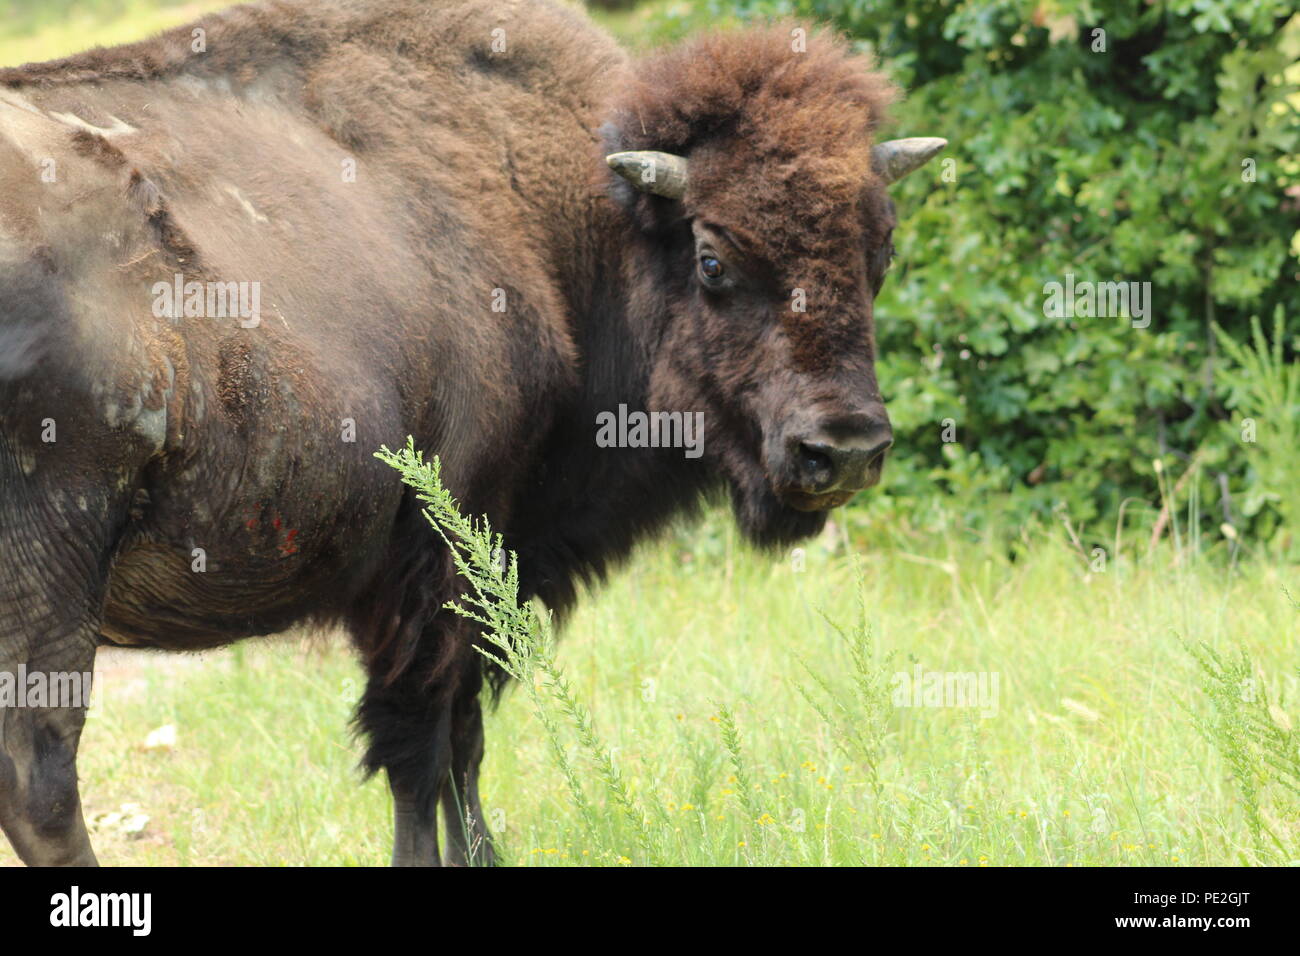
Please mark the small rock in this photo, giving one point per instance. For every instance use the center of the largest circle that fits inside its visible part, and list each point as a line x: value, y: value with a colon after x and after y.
x: 163, y: 738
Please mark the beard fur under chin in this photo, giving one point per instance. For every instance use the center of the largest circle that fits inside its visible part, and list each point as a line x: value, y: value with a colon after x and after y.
x: 769, y: 524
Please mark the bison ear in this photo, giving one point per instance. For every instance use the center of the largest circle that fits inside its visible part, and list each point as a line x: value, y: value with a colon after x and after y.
x: 895, y: 158
x: 662, y: 174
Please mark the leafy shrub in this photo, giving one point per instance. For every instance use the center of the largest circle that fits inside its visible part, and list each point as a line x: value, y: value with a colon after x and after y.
x: 1265, y: 392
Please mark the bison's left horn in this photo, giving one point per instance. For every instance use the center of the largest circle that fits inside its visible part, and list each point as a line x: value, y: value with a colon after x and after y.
x: 895, y: 158
x: 663, y: 174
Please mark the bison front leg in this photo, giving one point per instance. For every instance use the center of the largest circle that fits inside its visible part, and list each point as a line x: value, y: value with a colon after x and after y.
x: 420, y: 711
x: 409, y: 726
x: 415, y: 805
x: 468, y: 839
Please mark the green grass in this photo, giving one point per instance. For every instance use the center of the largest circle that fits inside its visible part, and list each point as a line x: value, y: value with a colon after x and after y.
x: 704, y: 665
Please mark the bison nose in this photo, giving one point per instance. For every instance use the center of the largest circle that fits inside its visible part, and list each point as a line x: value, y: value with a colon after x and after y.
x: 843, y: 465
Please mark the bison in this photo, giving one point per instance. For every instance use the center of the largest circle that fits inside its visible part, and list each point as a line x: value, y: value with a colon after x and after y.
x: 239, y: 257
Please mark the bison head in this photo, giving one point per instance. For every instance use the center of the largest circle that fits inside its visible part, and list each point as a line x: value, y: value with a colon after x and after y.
x: 749, y: 166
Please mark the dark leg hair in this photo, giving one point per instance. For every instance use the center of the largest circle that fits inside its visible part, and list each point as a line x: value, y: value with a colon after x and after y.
x: 468, y: 839
x: 409, y: 726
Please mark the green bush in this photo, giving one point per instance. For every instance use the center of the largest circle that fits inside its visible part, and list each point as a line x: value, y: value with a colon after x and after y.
x: 1161, y: 150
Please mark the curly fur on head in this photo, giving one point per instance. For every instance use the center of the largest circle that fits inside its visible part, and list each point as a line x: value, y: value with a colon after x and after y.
x: 778, y: 124
x: 787, y: 89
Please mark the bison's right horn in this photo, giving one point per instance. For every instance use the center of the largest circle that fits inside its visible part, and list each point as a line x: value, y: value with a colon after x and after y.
x: 650, y: 171
x: 895, y: 158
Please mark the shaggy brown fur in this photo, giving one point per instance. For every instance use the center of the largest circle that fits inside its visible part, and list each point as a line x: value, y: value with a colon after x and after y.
x: 780, y: 148
x: 479, y: 178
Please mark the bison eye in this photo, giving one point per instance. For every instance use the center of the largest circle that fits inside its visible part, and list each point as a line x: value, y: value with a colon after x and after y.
x: 711, y: 268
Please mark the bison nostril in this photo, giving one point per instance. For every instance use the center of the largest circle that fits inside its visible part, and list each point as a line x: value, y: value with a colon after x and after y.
x: 826, y: 466
x: 876, y: 455
x: 816, y: 465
